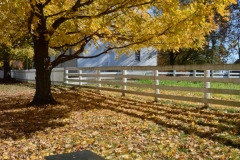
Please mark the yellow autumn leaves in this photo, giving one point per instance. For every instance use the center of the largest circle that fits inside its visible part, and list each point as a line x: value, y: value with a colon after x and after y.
x: 173, y: 25
x: 113, y: 127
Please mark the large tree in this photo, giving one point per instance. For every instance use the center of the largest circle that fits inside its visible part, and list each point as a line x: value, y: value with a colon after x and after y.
x: 123, y: 25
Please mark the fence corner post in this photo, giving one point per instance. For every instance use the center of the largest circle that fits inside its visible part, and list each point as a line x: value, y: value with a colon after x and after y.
x: 156, y: 83
x: 206, y: 86
x: 124, y: 80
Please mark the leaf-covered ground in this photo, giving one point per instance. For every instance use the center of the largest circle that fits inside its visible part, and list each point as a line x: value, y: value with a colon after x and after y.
x: 112, y: 126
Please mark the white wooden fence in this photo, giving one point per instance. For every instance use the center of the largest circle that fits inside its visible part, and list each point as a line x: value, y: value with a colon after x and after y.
x: 211, y: 73
x: 84, y: 77
x: 29, y: 75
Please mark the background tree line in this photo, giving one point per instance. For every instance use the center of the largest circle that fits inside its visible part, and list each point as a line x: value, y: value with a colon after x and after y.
x: 222, y: 45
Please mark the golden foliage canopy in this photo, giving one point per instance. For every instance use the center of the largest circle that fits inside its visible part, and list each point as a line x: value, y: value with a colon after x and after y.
x: 123, y: 25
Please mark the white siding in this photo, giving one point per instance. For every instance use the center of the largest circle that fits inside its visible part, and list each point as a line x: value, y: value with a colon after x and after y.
x: 148, y: 58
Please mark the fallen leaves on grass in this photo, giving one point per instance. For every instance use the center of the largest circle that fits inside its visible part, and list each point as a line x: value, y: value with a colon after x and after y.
x: 115, y: 128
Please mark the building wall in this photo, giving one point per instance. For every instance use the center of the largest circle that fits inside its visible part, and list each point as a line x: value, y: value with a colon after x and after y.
x: 148, y: 57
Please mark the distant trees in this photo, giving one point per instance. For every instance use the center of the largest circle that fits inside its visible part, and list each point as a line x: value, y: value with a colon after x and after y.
x: 219, y: 45
x: 19, y: 51
x: 212, y: 52
x: 231, y: 30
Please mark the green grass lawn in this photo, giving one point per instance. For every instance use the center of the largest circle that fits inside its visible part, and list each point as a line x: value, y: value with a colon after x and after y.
x: 218, y: 85
x: 192, y: 84
x: 188, y: 94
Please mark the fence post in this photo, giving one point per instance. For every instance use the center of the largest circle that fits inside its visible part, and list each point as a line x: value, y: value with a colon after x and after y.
x: 66, y: 76
x: 156, y: 83
x: 98, y: 80
x: 80, y: 77
x: 194, y: 73
x: 174, y: 73
x: 124, y: 80
x: 206, y: 85
x: 229, y: 74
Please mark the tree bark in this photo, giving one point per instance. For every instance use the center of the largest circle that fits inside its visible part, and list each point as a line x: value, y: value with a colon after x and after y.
x: 238, y: 53
x: 43, y: 93
x: 7, y: 71
x: 171, y: 58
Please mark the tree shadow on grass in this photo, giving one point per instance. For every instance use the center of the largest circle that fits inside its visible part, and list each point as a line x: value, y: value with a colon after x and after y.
x: 203, y: 123
x: 9, y: 81
x: 17, y: 120
x: 9, y: 102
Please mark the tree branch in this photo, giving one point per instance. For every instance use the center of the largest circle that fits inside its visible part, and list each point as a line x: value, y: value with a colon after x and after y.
x: 30, y: 19
x: 52, y: 15
x: 46, y: 3
x: 63, y: 58
x: 69, y: 45
x: 74, y: 44
x: 77, y: 5
x: 75, y: 55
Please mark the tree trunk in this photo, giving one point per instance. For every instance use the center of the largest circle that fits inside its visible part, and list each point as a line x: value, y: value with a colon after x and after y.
x: 7, y: 71
x: 172, y: 59
x: 239, y: 53
x: 43, y: 93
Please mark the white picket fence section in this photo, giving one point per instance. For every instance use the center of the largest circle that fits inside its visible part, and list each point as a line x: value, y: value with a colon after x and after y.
x: 211, y: 73
x: 123, y: 76
x: 57, y: 75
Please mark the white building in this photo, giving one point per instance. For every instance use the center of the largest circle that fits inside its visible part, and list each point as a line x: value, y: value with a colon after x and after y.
x: 145, y: 57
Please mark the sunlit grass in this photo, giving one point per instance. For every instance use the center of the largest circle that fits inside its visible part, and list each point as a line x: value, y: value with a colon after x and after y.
x: 217, y: 85
x: 191, y: 84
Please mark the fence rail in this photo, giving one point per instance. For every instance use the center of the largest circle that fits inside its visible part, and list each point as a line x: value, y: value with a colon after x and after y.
x: 29, y: 75
x: 209, y: 73
x: 96, y: 77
